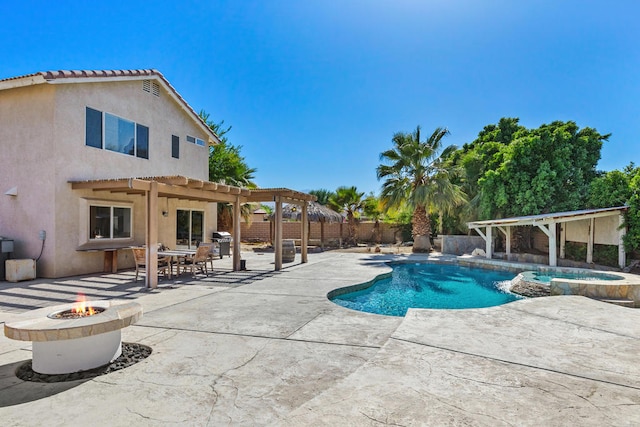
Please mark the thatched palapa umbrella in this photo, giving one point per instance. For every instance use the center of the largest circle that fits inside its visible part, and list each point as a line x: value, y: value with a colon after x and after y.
x: 315, y: 213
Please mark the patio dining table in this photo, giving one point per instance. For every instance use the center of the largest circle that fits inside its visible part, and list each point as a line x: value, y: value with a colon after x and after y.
x: 176, y: 253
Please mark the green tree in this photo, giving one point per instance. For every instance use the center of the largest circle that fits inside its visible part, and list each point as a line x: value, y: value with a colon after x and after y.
x: 349, y: 200
x: 217, y: 128
x: 632, y: 238
x: 611, y: 189
x: 228, y: 166
x: 415, y: 174
x: 543, y: 170
x: 372, y: 208
x: 618, y: 188
x: 485, y: 153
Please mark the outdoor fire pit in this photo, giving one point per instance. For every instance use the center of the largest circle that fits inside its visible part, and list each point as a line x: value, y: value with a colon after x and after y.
x: 74, y: 337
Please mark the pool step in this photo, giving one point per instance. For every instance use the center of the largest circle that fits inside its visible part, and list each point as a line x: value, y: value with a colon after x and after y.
x: 621, y: 302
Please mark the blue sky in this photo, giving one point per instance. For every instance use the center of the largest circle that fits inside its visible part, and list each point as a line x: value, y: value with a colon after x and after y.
x: 315, y: 89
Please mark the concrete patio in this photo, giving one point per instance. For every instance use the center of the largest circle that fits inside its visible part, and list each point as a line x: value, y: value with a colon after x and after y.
x: 260, y: 347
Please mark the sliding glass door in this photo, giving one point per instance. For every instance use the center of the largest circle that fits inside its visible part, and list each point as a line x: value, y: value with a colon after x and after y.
x: 189, y: 228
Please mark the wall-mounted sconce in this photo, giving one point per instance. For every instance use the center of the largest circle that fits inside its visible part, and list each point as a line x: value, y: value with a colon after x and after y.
x: 165, y: 213
x: 12, y: 191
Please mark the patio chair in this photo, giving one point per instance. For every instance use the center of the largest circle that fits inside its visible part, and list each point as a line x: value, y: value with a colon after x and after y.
x: 197, y: 260
x: 211, y: 247
x: 140, y: 258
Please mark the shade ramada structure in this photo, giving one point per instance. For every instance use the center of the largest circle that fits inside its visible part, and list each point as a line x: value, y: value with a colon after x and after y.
x: 315, y: 213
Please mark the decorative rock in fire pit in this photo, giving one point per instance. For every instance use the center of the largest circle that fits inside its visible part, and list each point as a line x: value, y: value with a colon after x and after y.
x: 65, y: 341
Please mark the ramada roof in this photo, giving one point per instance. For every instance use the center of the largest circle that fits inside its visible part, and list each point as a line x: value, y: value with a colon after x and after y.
x: 92, y: 76
x: 550, y: 217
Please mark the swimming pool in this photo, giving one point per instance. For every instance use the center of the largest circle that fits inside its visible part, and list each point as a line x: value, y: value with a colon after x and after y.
x: 428, y: 285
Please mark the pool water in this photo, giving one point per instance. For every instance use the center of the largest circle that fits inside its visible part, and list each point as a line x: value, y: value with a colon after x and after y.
x: 431, y: 286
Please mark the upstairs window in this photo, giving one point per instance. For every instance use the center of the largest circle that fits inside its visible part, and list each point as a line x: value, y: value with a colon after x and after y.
x: 119, y: 135
x: 175, y: 147
x: 94, y: 128
x: 142, y: 141
x: 195, y: 140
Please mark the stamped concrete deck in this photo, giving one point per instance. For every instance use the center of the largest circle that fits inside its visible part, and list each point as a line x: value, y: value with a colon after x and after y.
x: 267, y: 348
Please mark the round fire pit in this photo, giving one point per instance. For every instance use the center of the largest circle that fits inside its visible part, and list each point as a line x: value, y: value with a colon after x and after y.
x: 64, y: 343
x: 75, y: 314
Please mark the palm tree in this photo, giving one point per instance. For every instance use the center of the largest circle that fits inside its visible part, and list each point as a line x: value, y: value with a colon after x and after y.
x: 349, y: 200
x: 323, y: 195
x: 416, y: 176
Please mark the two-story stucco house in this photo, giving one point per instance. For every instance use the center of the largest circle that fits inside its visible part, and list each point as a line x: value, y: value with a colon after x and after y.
x: 71, y: 143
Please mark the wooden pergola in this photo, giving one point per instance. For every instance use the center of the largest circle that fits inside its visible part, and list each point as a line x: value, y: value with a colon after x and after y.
x: 547, y: 223
x: 181, y: 187
x: 280, y: 196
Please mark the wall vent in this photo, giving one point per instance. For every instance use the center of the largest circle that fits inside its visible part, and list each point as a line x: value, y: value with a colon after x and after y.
x: 146, y: 85
x: 156, y: 89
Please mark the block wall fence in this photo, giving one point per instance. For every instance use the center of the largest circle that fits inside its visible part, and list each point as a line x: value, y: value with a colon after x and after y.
x: 260, y: 231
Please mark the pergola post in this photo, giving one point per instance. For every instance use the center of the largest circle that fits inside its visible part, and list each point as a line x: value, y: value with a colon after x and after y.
x: 550, y: 231
x: 487, y: 242
x: 278, y: 234
x: 563, y: 239
x: 622, y: 231
x: 553, y: 253
x: 590, y: 241
x: 151, y: 268
x: 507, y: 236
x: 236, y: 234
x: 305, y: 233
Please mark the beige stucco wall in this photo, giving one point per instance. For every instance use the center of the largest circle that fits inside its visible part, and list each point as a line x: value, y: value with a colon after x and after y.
x: 26, y: 162
x: 42, y: 138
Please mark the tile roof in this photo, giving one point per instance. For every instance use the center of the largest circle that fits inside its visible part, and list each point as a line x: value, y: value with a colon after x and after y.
x: 99, y: 73
x: 66, y: 74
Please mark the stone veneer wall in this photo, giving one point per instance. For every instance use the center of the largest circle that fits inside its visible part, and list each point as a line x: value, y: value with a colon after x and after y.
x: 460, y: 245
x: 602, y: 290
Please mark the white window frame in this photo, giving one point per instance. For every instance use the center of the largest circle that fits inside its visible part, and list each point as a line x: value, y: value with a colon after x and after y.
x: 111, y: 222
x: 194, y: 140
x: 85, y: 225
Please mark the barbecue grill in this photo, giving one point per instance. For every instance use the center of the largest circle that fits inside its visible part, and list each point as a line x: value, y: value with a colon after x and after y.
x: 223, y: 239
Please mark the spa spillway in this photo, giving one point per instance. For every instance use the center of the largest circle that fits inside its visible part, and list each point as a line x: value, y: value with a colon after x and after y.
x: 66, y: 344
